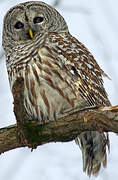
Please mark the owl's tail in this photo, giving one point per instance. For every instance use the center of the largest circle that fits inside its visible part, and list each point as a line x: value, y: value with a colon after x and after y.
x: 93, y: 146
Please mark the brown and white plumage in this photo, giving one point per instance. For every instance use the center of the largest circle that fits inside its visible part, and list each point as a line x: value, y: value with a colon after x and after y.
x: 59, y: 73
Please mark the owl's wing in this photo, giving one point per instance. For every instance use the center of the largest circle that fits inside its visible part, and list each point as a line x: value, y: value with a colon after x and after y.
x: 82, y: 66
x: 74, y: 58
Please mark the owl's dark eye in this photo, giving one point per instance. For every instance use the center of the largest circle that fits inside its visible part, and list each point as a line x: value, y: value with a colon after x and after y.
x: 37, y: 19
x: 19, y: 25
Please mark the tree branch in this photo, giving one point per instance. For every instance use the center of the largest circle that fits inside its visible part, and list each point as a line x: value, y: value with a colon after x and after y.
x: 69, y: 125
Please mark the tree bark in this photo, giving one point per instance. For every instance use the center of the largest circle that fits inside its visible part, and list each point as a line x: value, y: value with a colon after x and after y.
x: 32, y: 133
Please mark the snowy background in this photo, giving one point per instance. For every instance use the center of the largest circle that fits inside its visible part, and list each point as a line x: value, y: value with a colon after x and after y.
x: 95, y: 23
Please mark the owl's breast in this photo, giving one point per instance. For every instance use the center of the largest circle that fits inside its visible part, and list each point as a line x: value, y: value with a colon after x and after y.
x: 49, y: 90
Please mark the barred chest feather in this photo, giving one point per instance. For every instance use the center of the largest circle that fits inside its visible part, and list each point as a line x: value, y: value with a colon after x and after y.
x: 49, y: 91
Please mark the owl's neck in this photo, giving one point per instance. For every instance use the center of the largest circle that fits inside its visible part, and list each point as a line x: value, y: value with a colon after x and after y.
x: 13, y: 46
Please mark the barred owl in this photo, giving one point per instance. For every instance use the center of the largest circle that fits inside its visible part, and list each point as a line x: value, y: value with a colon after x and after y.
x: 59, y: 72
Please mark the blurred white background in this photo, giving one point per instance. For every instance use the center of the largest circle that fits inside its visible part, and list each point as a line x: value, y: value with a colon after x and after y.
x: 95, y: 23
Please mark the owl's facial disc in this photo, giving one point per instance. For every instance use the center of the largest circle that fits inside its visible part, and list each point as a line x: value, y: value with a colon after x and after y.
x: 26, y: 26
x: 28, y: 20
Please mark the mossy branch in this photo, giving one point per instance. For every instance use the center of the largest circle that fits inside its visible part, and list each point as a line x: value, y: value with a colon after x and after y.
x: 32, y: 133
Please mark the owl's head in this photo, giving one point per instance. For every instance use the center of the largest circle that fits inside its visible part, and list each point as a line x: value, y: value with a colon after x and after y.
x: 27, y: 20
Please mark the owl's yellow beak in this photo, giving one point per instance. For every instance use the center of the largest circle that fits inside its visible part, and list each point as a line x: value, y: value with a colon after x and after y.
x: 31, y: 33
